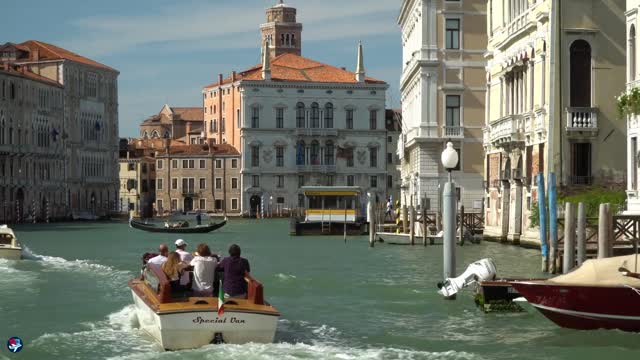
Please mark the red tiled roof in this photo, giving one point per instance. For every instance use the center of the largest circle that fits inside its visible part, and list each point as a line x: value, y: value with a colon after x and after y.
x: 202, y: 149
x: 291, y: 67
x: 189, y: 113
x: 29, y: 75
x: 52, y: 52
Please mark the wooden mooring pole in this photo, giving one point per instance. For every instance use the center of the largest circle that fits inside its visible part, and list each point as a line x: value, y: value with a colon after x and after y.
x: 412, y: 225
x: 424, y: 226
x: 603, y: 232
x: 581, y: 234
x: 568, y: 261
x: 372, y: 221
x: 461, y: 226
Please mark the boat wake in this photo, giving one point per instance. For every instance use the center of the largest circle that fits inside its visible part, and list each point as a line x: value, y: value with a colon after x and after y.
x: 285, y: 277
x: 117, y: 334
x: 54, y: 263
x: 297, y: 351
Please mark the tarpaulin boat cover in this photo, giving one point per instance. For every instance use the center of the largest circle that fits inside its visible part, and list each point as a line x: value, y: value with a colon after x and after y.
x: 602, y: 272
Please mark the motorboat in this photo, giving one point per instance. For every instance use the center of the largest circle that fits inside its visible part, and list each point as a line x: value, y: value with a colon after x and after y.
x: 9, y: 246
x: 600, y: 294
x: 405, y: 239
x: 179, y: 227
x: 481, y: 270
x: 193, y: 322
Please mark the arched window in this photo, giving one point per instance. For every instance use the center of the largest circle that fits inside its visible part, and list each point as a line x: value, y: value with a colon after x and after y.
x: 166, y: 134
x: 293, y: 40
x: 315, y: 115
x: 155, y: 134
x: 214, y: 126
x: 328, y: 116
x: 632, y: 53
x: 580, y: 73
x: 300, y: 115
x: 288, y: 41
x: 315, y: 153
x: 282, y: 39
x: 300, y: 155
x: 328, y: 153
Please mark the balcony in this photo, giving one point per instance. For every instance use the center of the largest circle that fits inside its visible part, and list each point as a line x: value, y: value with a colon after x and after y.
x: 316, y: 168
x: 582, y: 119
x: 453, y: 132
x: 189, y: 192
x: 315, y: 132
x: 507, y: 130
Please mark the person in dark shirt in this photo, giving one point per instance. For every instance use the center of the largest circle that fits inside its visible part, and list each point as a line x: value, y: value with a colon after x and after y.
x: 234, y: 268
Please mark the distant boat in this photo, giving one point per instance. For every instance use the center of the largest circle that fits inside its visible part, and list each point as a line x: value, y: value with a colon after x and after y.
x: 168, y: 228
x: 600, y: 294
x: 405, y: 239
x: 9, y: 246
x: 84, y: 215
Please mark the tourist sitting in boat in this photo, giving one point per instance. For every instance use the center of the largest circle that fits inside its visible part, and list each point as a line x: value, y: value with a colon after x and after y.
x: 186, y: 258
x: 174, y: 269
x: 204, y: 268
x: 234, y: 267
x: 161, y: 258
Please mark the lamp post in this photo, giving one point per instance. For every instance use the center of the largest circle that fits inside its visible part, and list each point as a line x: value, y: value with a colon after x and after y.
x: 449, y: 159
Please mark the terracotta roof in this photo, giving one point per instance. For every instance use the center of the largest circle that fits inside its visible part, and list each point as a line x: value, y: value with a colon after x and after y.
x: 52, y: 52
x: 202, y: 149
x: 189, y: 113
x: 291, y: 67
x: 29, y: 75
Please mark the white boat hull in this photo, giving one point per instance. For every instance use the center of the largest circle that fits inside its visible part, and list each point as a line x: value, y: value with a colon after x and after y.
x: 194, y: 329
x: 404, y: 239
x: 11, y: 253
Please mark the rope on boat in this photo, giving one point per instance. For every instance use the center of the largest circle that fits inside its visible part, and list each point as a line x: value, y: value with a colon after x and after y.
x: 637, y: 291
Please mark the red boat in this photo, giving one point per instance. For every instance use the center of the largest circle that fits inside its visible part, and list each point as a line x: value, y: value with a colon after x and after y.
x: 600, y: 294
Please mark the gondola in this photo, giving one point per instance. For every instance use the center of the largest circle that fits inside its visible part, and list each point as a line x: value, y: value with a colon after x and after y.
x: 201, y: 229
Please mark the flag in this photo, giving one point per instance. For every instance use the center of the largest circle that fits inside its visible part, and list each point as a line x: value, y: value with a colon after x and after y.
x: 220, y: 300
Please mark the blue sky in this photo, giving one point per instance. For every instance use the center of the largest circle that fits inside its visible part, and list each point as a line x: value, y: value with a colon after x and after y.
x: 167, y: 50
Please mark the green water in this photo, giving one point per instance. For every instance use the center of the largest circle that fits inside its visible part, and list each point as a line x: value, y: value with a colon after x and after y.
x: 338, y: 301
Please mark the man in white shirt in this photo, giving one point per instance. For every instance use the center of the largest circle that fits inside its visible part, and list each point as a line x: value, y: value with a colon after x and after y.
x: 161, y: 257
x: 185, y: 257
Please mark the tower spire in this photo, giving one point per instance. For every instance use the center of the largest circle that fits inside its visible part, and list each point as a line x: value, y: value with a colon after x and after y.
x: 266, y: 62
x: 360, y: 73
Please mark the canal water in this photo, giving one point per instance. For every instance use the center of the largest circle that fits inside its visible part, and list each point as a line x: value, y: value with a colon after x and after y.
x: 338, y: 300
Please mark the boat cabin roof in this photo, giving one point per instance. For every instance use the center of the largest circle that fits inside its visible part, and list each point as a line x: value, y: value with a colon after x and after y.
x: 5, y: 230
x: 331, y: 190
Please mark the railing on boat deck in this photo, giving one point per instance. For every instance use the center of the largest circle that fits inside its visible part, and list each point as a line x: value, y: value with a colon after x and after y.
x: 255, y: 289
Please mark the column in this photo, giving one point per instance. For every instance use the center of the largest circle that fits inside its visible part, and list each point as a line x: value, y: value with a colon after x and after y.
x: 543, y: 81
x: 487, y: 103
x: 531, y: 72
x: 502, y: 102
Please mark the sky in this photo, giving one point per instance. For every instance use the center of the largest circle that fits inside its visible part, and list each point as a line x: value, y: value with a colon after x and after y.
x: 167, y: 50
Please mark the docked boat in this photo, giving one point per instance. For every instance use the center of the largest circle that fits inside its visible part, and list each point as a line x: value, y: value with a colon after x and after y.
x: 329, y: 210
x: 181, y: 227
x: 405, y: 239
x: 600, y: 294
x: 9, y: 246
x: 193, y: 322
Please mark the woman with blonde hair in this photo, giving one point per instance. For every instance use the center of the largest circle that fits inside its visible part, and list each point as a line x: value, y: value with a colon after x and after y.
x: 174, y: 268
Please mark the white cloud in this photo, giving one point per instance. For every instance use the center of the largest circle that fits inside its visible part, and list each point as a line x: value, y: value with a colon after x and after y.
x: 228, y: 25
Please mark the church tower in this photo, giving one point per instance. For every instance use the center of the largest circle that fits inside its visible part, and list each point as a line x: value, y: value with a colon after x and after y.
x: 281, y: 31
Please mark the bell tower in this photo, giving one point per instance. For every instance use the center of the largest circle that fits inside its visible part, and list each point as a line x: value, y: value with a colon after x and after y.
x: 283, y: 33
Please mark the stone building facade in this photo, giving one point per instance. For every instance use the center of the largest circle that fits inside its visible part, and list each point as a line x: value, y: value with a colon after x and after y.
x: 203, y: 177
x: 299, y: 122
x: 32, y: 152
x: 393, y: 124
x: 90, y: 121
x: 553, y: 71
x: 137, y: 172
x: 443, y: 97
x: 177, y: 123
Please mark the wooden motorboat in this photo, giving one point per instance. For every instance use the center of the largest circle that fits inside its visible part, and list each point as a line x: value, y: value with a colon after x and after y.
x: 9, y: 246
x: 193, y: 322
x: 597, y: 295
x: 176, y: 229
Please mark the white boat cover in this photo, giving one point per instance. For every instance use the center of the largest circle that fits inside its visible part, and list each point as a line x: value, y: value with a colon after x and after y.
x: 602, y: 272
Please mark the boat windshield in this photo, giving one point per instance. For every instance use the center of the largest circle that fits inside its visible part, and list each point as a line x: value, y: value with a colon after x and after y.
x: 6, y: 239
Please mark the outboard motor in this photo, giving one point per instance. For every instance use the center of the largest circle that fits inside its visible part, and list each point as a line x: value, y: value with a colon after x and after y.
x: 480, y: 270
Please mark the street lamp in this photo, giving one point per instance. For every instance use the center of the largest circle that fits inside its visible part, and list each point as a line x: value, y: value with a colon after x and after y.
x: 449, y: 160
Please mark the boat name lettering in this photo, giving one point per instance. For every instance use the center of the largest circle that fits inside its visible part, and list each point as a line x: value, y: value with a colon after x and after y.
x: 217, y: 320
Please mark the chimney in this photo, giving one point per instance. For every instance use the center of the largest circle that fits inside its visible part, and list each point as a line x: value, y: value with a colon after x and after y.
x: 233, y: 76
x: 343, y: 68
x: 360, y: 73
x: 266, y: 62
x: 36, y: 54
x: 188, y: 128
